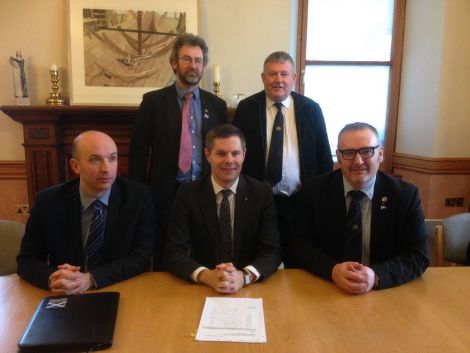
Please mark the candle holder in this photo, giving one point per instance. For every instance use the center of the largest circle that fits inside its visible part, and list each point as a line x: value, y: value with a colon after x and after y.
x: 217, y: 89
x: 55, y: 97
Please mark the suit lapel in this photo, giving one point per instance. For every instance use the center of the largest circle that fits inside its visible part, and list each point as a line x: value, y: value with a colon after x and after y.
x: 338, y: 202
x: 382, y: 205
x: 74, y: 213
x: 111, y: 217
x: 261, y: 99
x: 171, y: 101
x: 209, y: 211
x: 242, y: 213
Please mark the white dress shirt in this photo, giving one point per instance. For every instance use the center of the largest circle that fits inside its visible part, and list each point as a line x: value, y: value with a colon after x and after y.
x: 290, y: 182
x: 231, y: 199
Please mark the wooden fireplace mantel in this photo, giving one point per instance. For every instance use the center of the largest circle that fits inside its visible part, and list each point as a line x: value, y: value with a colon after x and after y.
x: 49, y: 131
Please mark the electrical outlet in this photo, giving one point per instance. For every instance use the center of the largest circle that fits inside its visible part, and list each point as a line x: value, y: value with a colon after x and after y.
x: 454, y: 202
x: 22, y: 209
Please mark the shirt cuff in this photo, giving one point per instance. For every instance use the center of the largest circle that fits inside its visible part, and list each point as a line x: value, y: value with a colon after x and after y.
x: 253, y: 271
x: 196, y: 273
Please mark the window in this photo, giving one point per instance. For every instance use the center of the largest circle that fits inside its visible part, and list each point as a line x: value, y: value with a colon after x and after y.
x: 350, y: 60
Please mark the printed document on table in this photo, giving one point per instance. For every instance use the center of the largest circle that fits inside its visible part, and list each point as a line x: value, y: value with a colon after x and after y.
x: 232, y: 320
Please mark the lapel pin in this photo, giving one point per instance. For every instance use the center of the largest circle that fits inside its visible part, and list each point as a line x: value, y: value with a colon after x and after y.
x: 384, y: 200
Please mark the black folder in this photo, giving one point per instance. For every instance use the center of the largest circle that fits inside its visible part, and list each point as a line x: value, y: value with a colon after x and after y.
x: 72, y: 323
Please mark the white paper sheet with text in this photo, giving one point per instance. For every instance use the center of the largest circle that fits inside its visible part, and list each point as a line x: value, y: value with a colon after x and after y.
x: 232, y: 320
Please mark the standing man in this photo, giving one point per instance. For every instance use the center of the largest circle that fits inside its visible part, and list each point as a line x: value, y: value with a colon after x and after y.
x: 286, y: 139
x: 223, y: 232
x: 89, y: 232
x: 170, y: 128
x: 357, y: 226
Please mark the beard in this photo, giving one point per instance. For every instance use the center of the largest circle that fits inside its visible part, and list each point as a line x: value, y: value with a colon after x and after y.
x: 190, y: 77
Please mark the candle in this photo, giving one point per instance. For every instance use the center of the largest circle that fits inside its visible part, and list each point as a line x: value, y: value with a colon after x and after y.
x: 216, y: 73
x: 54, y: 67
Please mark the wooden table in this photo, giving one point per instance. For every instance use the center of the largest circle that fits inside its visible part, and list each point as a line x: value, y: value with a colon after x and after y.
x: 303, y: 314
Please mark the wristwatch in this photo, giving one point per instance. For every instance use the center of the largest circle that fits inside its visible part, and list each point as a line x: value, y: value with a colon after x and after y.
x: 246, y: 276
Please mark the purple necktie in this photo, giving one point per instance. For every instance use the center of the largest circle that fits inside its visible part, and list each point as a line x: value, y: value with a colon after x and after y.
x: 184, y: 160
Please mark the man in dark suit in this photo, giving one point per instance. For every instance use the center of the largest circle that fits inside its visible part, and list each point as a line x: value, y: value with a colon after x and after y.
x: 223, y: 231
x: 286, y: 139
x: 89, y: 232
x: 174, y: 141
x: 357, y: 226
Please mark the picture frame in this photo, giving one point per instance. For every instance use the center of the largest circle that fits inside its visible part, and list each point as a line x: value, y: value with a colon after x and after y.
x: 120, y: 50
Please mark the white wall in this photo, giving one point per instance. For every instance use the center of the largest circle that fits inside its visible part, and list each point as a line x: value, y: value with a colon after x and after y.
x: 241, y: 34
x: 434, y: 111
x: 39, y: 29
x: 452, y: 137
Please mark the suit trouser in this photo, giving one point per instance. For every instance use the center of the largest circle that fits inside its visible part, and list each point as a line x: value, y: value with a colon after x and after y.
x: 286, y: 209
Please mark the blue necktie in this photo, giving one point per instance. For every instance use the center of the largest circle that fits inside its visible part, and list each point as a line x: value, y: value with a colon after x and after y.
x: 95, y: 241
x: 353, y: 238
x: 225, y: 228
x: 274, y: 166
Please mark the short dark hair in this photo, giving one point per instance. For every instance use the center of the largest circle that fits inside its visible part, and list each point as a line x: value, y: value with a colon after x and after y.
x: 224, y: 131
x: 192, y: 41
x: 278, y: 57
x: 358, y: 125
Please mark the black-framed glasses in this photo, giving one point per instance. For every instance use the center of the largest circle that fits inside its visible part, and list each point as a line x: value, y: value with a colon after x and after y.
x: 364, y: 152
x: 189, y: 60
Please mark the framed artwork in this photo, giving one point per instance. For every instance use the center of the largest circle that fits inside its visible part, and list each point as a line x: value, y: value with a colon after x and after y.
x: 120, y: 49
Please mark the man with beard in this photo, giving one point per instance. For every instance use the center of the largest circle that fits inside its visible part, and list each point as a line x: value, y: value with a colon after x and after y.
x: 170, y: 128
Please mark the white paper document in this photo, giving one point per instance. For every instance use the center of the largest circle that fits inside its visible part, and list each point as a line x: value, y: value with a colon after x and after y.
x: 232, y: 320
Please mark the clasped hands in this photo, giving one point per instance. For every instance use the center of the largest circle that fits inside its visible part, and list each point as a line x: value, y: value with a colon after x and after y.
x: 69, y: 280
x: 353, y: 277
x: 224, y: 278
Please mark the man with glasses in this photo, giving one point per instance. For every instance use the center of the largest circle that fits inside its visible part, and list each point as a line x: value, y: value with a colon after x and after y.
x: 170, y: 128
x: 357, y: 226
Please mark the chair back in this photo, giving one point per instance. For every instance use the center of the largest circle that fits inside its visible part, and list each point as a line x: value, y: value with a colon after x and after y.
x: 11, y: 233
x: 432, y: 241
x: 456, y: 237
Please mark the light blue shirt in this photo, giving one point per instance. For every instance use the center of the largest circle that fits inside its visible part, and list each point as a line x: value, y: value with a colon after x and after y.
x: 196, y: 134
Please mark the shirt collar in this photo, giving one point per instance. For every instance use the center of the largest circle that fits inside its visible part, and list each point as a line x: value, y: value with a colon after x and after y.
x: 218, y: 188
x: 180, y: 92
x: 87, y: 200
x: 286, y: 102
x: 368, y: 189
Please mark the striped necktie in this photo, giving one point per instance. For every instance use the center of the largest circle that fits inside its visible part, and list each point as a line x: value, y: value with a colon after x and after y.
x: 95, y: 241
x: 225, y: 228
x: 353, y: 238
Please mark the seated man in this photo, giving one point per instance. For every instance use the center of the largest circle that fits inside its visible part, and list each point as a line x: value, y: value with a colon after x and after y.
x: 89, y: 232
x: 357, y: 226
x: 223, y: 230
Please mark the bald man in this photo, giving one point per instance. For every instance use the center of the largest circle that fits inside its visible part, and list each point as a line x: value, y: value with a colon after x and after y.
x: 89, y: 232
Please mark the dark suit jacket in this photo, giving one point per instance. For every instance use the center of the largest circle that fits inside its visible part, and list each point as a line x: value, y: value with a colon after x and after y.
x: 157, y: 130
x: 398, y: 244
x: 314, y: 148
x: 53, y: 234
x: 193, y: 234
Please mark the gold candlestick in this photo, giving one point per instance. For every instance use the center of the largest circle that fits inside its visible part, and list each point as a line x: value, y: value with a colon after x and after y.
x: 217, y: 89
x: 55, y: 97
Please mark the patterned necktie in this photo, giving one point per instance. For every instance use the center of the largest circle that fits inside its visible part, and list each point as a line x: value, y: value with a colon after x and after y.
x: 184, y: 160
x: 274, y: 166
x: 95, y: 241
x: 225, y: 228
x: 353, y: 239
